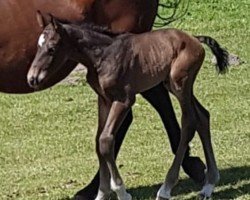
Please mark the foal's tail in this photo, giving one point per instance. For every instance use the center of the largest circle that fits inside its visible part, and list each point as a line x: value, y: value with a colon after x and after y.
x: 220, y: 53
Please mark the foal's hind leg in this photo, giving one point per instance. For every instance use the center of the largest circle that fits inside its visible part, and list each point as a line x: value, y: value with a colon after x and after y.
x: 203, y: 129
x: 183, y: 92
x: 193, y: 166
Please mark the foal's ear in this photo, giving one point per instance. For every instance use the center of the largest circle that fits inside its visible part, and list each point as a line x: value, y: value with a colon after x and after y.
x: 45, y: 19
x: 42, y: 21
x: 56, y: 24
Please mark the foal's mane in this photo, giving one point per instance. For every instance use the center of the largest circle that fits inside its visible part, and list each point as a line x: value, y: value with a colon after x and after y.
x: 93, y: 27
x: 100, y: 29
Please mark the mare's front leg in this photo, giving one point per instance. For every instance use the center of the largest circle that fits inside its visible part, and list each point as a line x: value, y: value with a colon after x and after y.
x: 118, y: 112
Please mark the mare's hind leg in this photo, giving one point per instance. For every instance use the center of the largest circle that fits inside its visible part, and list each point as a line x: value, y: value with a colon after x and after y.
x: 183, y: 91
x: 203, y: 129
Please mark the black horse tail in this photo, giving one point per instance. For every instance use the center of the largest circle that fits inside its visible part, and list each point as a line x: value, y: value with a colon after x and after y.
x: 220, y: 53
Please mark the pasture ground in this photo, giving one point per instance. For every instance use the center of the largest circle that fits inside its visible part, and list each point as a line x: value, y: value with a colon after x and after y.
x: 47, y: 138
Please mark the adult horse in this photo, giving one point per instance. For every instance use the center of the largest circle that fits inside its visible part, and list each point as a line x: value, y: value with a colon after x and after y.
x: 18, y: 38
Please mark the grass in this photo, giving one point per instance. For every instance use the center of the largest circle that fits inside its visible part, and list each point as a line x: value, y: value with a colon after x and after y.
x: 47, y: 138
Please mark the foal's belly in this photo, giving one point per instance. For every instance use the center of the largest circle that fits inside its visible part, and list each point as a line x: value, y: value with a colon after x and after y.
x: 145, y: 81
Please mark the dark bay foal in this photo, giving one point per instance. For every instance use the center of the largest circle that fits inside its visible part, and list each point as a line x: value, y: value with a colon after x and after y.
x: 119, y: 67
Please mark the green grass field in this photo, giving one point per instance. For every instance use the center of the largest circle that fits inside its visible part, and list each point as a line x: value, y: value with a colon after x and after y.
x: 47, y: 138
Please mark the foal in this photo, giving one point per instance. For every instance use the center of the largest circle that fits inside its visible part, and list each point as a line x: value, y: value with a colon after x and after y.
x: 125, y: 65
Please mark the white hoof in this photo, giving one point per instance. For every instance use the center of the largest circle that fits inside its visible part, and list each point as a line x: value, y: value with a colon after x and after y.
x: 101, y: 195
x: 206, y: 191
x: 120, y: 191
x: 124, y: 196
x: 128, y: 197
x: 164, y: 193
x: 201, y: 197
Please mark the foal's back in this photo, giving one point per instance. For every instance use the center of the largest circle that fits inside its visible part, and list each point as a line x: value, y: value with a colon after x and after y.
x: 153, y: 56
x: 162, y: 46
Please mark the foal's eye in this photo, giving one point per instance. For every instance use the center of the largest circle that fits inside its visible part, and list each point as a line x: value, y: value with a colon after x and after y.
x: 51, y: 50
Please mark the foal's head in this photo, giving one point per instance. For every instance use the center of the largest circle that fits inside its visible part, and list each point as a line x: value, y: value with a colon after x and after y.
x: 51, y: 51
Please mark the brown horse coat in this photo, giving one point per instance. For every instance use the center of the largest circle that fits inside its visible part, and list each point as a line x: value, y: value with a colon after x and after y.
x: 19, y: 30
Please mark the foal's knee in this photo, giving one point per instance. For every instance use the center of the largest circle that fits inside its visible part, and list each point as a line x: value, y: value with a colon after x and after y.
x: 106, y: 143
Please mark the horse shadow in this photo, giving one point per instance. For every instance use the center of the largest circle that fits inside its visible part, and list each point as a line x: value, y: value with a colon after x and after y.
x: 229, y: 183
x: 229, y: 179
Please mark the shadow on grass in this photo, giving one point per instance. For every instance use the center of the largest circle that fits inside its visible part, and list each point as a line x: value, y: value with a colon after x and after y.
x: 229, y: 179
x: 229, y: 186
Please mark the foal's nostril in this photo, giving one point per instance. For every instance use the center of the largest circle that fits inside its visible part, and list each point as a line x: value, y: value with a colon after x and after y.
x: 32, y: 81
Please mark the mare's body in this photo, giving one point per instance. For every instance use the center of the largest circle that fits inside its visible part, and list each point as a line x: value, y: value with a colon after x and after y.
x: 18, y: 44
x: 19, y: 30
x: 119, y: 67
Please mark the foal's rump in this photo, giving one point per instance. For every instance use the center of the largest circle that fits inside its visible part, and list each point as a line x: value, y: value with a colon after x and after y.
x: 167, y: 54
x: 160, y: 54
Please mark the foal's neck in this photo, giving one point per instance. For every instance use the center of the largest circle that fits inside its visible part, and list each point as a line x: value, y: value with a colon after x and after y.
x: 88, y: 44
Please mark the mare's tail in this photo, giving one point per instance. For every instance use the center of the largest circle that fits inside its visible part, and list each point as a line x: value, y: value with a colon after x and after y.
x: 220, y: 53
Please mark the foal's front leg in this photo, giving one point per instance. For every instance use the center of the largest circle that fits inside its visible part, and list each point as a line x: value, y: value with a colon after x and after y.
x: 118, y: 112
x: 104, y: 175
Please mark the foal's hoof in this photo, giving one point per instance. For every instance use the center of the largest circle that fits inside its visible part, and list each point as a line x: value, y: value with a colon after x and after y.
x: 162, y: 198
x: 128, y: 197
x: 195, y: 169
x: 202, y: 197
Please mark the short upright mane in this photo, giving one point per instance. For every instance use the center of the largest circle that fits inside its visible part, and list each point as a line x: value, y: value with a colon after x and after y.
x: 94, y: 27
x: 100, y: 29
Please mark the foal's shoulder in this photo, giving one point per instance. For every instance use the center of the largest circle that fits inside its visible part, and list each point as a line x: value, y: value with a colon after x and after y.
x: 121, y: 40
x: 124, y: 36
x: 119, y: 45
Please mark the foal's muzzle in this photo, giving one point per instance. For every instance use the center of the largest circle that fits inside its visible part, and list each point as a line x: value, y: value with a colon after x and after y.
x: 35, y: 78
x: 33, y: 82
